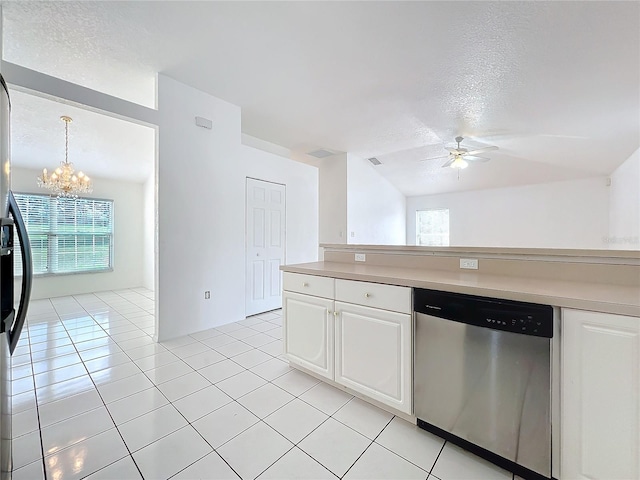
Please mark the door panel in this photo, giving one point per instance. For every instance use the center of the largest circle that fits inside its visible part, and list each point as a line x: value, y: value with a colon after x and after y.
x: 265, y: 249
x: 600, y: 395
x: 275, y: 283
x: 373, y: 353
x: 258, y: 283
x: 276, y: 231
x: 308, y: 332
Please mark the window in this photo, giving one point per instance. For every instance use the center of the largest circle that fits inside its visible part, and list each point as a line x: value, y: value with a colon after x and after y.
x: 432, y: 227
x: 66, y: 235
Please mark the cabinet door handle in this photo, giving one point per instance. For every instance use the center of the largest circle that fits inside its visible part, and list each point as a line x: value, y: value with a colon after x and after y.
x: 305, y: 284
x: 367, y: 295
x: 335, y: 314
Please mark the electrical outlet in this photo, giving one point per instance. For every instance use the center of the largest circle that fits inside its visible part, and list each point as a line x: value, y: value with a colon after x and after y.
x: 361, y: 257
x: 353, y: 234
x: 469, y: 263
x: 207, y: 295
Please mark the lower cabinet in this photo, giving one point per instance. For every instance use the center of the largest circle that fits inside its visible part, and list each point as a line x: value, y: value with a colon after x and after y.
x: 373, y: 353
x: 600, y: 406
x: 308, y: 332
x: 365, y: 348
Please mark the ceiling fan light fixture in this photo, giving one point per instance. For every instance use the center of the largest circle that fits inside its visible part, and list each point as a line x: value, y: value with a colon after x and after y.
x: 459, y: 163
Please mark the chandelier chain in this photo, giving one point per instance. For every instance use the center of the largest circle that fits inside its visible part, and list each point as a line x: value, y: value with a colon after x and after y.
x: 66, y: 141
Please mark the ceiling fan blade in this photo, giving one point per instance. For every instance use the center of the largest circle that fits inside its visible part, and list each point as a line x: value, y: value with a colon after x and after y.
x: 474, y: 158
x: 434, y: 158
x: 481, y: 150
x: 449, y: 162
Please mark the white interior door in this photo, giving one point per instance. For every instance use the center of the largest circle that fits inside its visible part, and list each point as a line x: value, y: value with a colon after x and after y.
x: 265, y: 245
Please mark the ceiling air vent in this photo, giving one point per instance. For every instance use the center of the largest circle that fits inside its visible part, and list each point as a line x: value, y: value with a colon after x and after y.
x: 375, y: 161
x: 320, y: 153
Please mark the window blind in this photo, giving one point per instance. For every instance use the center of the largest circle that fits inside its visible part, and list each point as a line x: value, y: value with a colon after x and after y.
x: 67, y: 235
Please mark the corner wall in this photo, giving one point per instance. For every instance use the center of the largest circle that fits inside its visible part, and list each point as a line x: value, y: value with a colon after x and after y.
x: 624, y: 205
x: 571, y: 214
x: 128, y: 239
x: 333, y: 199
x: 376, y: 210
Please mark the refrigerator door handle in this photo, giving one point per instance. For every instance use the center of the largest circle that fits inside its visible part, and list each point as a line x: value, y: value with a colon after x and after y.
x: 27, y: 272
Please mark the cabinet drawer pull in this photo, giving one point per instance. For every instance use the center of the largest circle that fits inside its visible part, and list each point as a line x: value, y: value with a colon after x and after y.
x: 335, y: 314
x: 305, y: 284
x: 367, y: 295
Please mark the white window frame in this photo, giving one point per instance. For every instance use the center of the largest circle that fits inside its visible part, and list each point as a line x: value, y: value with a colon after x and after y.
x: 52, y: 234
x: 437, y: 239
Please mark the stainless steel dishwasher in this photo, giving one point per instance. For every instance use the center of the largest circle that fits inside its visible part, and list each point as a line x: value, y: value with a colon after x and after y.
x: 483, y: 377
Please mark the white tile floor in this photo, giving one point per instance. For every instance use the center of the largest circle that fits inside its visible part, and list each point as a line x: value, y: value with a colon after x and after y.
x: 95, y: 396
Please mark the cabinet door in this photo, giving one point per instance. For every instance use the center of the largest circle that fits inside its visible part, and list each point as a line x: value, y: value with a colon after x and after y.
x: 373, y: 354
x: 600, y: 408
x: 308, y: 332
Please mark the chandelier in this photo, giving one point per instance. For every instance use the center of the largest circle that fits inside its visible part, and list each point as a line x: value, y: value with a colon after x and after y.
x: 63, y: 181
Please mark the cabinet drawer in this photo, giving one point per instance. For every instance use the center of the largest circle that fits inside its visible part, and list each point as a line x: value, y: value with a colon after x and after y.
x: 376, y: 295
x: 308, y: 284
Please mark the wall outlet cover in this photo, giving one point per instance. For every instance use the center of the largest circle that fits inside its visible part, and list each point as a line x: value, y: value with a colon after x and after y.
x: 469, y: 263
x: 207, y: 295
x: 361, y: 257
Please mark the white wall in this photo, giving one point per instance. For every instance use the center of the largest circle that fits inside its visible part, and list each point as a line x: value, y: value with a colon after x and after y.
x: 570, y: 214
x: 201, y: 210
x: 148, y: 233
x: 376, y: 210
x: 624, y: 205
x: 128, y: 238
x: 333, y: 199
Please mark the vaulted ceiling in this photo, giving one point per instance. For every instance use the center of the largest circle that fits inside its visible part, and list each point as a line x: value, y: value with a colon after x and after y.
x: 555, y: 85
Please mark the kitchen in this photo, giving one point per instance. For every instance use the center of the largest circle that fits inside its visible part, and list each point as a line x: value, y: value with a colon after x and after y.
x: 218, y: 183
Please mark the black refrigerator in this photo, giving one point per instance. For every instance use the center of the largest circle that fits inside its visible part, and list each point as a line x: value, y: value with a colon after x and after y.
x: 12, y: 230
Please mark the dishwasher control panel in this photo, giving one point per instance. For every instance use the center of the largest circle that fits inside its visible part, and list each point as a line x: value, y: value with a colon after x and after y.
x: 506, y: 315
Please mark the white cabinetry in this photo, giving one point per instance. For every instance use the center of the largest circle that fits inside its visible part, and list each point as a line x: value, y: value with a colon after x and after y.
x: 373, y: 353
x: 356, y: 333
x: 600, y: 407
x: 309, y: 322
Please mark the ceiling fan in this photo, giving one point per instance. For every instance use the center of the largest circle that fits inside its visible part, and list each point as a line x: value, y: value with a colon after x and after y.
x: 459, y: 157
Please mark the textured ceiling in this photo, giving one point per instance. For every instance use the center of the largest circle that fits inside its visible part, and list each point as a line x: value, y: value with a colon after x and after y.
x: 99, y: 145
x: 556, y: 85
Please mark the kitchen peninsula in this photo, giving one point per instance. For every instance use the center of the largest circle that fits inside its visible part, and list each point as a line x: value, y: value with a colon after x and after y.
x: 351, y: 323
